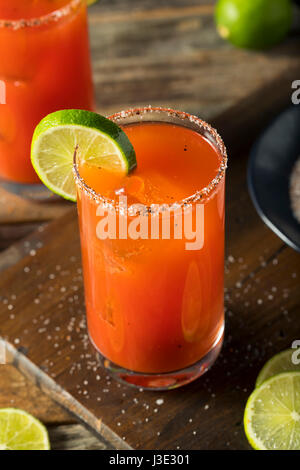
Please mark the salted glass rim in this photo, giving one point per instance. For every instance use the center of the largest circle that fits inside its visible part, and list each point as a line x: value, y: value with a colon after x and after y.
x: 54, y: 15
x: 201, y: 195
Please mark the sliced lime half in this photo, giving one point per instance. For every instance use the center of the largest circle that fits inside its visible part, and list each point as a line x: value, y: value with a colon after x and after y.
x: 99, y: 142
x: 282, y: 362
x: 21, y: 431
x: 272, y: 414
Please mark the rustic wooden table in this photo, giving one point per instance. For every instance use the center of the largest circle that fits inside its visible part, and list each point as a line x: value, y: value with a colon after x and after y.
x: 167, y: 52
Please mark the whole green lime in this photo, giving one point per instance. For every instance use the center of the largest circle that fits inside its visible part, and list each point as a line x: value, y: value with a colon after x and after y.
x: 253, y: 24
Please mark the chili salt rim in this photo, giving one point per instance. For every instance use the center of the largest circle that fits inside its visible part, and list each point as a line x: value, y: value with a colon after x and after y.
x: 53, y: 16
x: 204, y: 194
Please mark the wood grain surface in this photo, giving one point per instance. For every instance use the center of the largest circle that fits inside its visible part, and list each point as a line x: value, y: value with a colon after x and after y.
x: 160, y: 52
x: 42, y: 315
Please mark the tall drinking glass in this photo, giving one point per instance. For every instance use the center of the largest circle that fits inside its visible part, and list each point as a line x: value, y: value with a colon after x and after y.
x: 44, y: 66
x: 154, y: 277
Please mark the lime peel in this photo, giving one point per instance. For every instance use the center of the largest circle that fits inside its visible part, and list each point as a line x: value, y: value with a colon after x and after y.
x: 281, y: 362
x: 271, y: 418
x: 21, y: 431
x: 98, y: 141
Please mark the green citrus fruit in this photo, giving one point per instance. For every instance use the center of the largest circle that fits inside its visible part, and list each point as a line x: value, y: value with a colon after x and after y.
x: 281, y: 362
x: 99, y: 141
x: 272, y: 414
x: 253, y: 24
x: 21, y: 431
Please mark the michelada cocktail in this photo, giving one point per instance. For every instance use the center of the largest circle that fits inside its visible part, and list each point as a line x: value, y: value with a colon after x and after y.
x: 150, y: 193
x: 44, y: 66
x: 155, y: 300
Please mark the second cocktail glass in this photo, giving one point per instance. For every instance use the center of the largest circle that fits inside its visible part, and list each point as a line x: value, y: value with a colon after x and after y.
x: 155, y: 304
x: 44, y: 66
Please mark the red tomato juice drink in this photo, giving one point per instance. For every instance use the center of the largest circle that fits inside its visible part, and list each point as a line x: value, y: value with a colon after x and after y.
x: 44, y: 66
x: 154, y: 278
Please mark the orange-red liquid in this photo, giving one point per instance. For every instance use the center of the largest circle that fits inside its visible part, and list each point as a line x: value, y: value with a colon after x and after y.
x: 27, y: 9
x: 44, y: 68
x: 153, y: 306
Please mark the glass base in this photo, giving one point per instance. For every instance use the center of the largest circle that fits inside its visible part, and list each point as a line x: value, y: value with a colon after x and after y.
x: 36, y: 192
x: 167, y: 380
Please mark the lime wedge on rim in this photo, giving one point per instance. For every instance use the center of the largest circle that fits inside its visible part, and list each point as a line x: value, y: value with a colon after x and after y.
x: 272, y: 414
x: 21, y: 431
x: 282, y: 362
x: 99, y: 142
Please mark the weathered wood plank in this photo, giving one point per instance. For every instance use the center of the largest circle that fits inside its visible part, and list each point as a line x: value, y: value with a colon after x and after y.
x: 159, y: 12
x: 127, y: 6
x: 17, y: 210
x: 174, y: 57
x: 11, y: 233
x: 74, y: 437
x: 17, y: 391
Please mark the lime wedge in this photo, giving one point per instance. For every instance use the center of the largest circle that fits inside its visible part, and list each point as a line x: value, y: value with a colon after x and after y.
x: 282, y: 362
x: 272, y: 414
x: 98, y: 141
x: 21, y: 431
